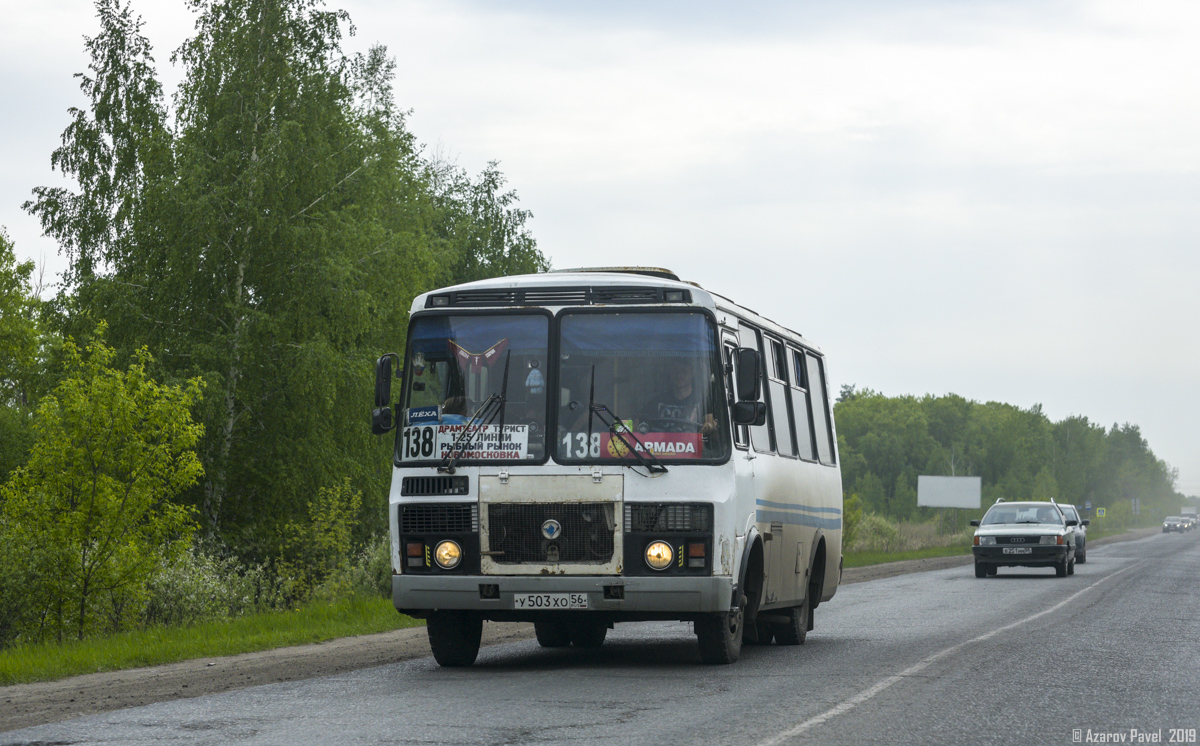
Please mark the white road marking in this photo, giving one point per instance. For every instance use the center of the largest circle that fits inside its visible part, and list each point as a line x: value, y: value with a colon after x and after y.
x: 879, y: 686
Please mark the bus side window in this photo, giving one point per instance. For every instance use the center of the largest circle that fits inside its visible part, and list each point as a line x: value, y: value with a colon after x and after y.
x: 741, y: 436
x: 820, y: 408
x: 801, y: 407
x: 780, y: 407
x: 761, y: 436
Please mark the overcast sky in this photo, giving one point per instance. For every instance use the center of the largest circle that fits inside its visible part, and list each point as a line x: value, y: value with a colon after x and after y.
x: 995, y: 199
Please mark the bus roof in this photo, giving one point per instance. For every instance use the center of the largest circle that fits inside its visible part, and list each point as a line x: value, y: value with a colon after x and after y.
x: 480, y: 292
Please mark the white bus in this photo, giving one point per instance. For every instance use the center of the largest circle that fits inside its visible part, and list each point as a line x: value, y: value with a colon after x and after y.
x: 586, y: 447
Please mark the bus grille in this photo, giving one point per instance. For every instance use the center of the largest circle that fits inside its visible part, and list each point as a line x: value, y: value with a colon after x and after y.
x: 650, y: 517
x: 585, y: 535
x: 439, y: 519
x: 434, y: 486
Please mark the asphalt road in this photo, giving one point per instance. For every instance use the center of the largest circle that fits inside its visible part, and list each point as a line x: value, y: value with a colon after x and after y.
x: 936, y: 657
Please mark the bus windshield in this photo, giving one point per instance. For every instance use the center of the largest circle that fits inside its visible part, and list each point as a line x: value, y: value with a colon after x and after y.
x: 657, y: 375
x: 461, y: 365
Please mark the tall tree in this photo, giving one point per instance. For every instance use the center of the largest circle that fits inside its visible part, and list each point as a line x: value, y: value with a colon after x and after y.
x: 269, y: 241
x: 108, y: 148
x: 20, y: 340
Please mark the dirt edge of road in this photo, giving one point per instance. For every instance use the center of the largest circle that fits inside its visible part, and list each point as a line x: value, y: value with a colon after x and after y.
x: 25, y: 705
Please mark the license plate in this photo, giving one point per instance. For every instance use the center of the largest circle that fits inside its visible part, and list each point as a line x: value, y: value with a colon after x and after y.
x: 1018, y: 550
x: 551, y: 601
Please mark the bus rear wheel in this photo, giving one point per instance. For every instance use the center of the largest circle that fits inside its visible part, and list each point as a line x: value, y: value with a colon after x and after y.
x: 720, y: 636
x: 454, y: 637
x: 795, y: 632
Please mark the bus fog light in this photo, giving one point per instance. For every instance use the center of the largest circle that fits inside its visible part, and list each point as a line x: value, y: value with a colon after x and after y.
x: 447, y: 555
x: 659, y: 555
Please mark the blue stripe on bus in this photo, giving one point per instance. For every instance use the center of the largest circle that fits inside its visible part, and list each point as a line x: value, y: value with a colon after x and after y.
x: 798, y: 519
x: 793, y: 506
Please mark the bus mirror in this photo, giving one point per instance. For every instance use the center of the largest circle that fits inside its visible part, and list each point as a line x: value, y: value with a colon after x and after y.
x: 749, y: 413
x: 749, y: 374
x: 383, y: 380
x: 381, y: 420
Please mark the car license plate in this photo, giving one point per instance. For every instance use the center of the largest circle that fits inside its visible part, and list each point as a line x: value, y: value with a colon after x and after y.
x: 550, y: 601
x: 1018, y: 550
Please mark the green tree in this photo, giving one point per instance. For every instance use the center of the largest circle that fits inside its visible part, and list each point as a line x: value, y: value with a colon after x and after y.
x: 481, y: 232
x: 316, y: 548
x: 20, y: 341
x: 92, y: 510
x: 110, y: 148
x: 1045, y: 486
x: 269, y: 241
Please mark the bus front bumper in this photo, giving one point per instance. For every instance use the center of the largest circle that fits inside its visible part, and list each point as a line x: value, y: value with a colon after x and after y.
x: 494, y: 594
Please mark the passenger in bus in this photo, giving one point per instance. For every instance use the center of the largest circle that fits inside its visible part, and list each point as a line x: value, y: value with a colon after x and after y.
x: 680, y: 405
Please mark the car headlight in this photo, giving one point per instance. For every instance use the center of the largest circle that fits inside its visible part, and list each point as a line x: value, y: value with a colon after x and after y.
x: 447, y: 554
x: 659, y: 555
x: 986, y: 541
x: 1048, y: 540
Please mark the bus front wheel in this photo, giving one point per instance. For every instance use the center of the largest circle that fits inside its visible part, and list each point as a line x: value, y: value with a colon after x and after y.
x: 454, y: 637
x: 720, y: 636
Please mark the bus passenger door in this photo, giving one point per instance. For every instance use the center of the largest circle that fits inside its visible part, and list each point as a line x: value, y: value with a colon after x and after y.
x: 742, y: 502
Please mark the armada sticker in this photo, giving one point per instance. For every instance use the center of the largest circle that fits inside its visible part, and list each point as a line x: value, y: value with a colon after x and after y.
x: 663, y: 445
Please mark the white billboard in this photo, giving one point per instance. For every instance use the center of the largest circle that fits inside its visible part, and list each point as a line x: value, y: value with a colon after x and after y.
x: 949, y: 492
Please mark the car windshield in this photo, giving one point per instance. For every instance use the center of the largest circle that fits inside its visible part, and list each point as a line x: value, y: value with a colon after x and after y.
x: 463, y: 365
x: 655, y: 374
x: 1070, y: 514
x: 1009, y: 514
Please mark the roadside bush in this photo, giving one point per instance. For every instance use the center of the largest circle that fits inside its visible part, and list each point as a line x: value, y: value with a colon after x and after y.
x: 320, y: 550
x: 369, y: 573
x: 852, y: 514
x: 874, y: 533
x: 200, y: 586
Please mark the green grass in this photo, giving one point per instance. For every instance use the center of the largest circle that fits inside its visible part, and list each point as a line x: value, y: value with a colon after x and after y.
x: 863, y: 559
x: 313, y: 622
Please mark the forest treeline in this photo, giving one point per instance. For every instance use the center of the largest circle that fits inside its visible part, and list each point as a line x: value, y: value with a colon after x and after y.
x: 239, y: 255
x: 885, y: 442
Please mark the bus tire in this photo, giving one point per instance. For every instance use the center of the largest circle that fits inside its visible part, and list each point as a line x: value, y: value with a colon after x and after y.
x: 720, y: 636
x: 588, y: 634
x: 795, y: 632
x: 552, y: 633
x: 454, y: 637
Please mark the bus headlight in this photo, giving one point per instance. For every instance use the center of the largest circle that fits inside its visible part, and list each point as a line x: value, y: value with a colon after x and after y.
x: 447, y: 555
x: 659, y: 555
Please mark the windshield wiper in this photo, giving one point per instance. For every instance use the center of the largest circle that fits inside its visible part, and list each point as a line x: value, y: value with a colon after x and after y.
x: 492, y: 406
x: 645, y: 456
x: 463, y: 441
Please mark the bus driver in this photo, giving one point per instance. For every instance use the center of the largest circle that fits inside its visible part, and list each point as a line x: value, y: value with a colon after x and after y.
x: 677, y: 408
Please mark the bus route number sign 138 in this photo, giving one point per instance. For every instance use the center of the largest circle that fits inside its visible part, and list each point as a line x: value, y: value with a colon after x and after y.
x: 550, y: 601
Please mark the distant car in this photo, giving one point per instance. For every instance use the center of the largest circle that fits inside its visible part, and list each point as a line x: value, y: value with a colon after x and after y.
x: 1024, y: 534
x: 1173, y: 523
x: 1189, y: 521
x: 1072, y: 511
